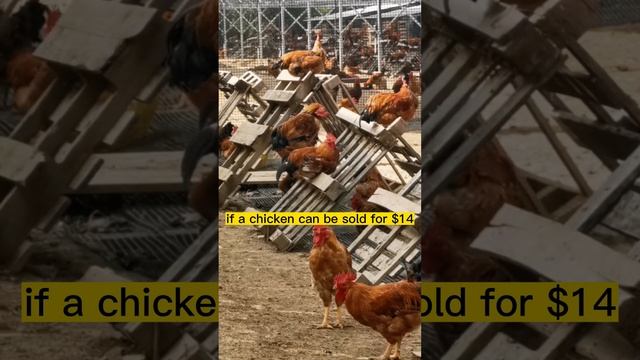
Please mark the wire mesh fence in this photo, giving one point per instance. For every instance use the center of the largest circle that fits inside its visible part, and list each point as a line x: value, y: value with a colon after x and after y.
x: 359, y: 36
x: 619, y: 12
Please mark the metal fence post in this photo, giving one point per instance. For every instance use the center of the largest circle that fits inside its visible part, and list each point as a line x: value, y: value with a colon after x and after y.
x: 308, y: 24
x: 340, y: 42
x: 282, y: 34
x: 379, y: 35
x: 241, y: 33
x: 259, y: 29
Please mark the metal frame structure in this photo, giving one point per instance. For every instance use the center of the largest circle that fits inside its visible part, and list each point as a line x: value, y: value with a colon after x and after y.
x: 314, y: 13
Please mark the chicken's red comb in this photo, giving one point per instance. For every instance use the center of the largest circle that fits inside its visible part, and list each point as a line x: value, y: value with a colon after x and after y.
x: 320, y: 228
x: 344, y: 278
x: 331, y: 137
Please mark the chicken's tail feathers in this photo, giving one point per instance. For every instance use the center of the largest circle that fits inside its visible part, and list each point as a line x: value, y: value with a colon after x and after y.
x: 285, y: 166
x: 278, y: 141
x: 205, y: 142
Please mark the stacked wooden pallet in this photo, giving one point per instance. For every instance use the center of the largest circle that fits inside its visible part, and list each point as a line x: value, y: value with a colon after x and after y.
x: 253, y: 140
x: 362, y: 147
x: 239, y: 92
x: 86, y: 104
x: 485, y: 61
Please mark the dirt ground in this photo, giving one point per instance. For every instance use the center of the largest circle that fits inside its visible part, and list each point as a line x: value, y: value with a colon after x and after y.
x: 54, y: 259
x: 270, y: 311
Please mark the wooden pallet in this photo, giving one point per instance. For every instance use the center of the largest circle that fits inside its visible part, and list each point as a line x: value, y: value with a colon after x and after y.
x: 253, y: 140
x: 169, y: 341
x: 379, y: 253
x: 484, y: 51
x: 239, y: 91
x: 363, y: 146
x: 97, y: 78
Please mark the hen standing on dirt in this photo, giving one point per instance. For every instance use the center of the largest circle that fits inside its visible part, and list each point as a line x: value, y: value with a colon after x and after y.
x: 328, y: 258
x: 393, y: 309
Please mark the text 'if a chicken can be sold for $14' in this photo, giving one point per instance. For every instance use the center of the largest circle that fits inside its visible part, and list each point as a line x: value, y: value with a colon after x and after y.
x: 520, y: 302
x: 319, y: 218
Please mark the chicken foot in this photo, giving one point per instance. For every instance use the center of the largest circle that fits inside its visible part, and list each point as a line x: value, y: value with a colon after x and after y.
x: 396, y: 353
x: 339, y: 318
x: 325, y: 321
x: 387, y: 352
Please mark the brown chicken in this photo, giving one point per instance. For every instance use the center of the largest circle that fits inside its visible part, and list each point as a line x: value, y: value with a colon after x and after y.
x: 393, y: 309
x: 308, y: 162
x: 25, y: 74
x: 475, y: 195
x: 192, y: 57
x: 298, y: 131
x: 386, y: 108
x: 365, y: 188
x: 227, y: 147
x: 300, y: 62
x: 29, y: 77
x: 328, y: 258
x: 445, y: 259
x: 374, y: 80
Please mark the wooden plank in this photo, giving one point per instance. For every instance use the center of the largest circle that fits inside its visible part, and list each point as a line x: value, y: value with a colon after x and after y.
x: 328, y: 185
x: 394, y: 202
x: 261, y: 178
x: 140, y: 172
x: 278, y: 96
x: 598, y: 205
x: 625, y: 215
x: 472, y: 341
x: 554, y: 250
x: 603, y: 342
x: 187, y: 348
x: 561, y: 151
x: 610, y: 140
x: 91, y: 32
x: 248, y: 134
x: 506, y: 347
x: 19, y: 161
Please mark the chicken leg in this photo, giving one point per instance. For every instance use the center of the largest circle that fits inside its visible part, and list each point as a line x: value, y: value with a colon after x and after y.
x: 325, y: 321
x: 339, y: 318
x: 396, y: 353
x: 387, y: 352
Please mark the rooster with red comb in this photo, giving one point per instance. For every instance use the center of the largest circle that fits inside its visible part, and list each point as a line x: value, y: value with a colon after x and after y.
x: 328, y: 258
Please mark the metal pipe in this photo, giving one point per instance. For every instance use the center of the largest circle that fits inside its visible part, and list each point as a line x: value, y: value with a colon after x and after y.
x: 224, y: 30
x: 282, y: 42
x: 259, y: 29
x: 340, y: 42
x: 241, y: 34
x: 308, y: 24
x: 379, y: 35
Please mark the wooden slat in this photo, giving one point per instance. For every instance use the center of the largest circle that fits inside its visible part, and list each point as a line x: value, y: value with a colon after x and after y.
x: 598, y: 205
x: 140, y: 172
x: 555, y: 251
